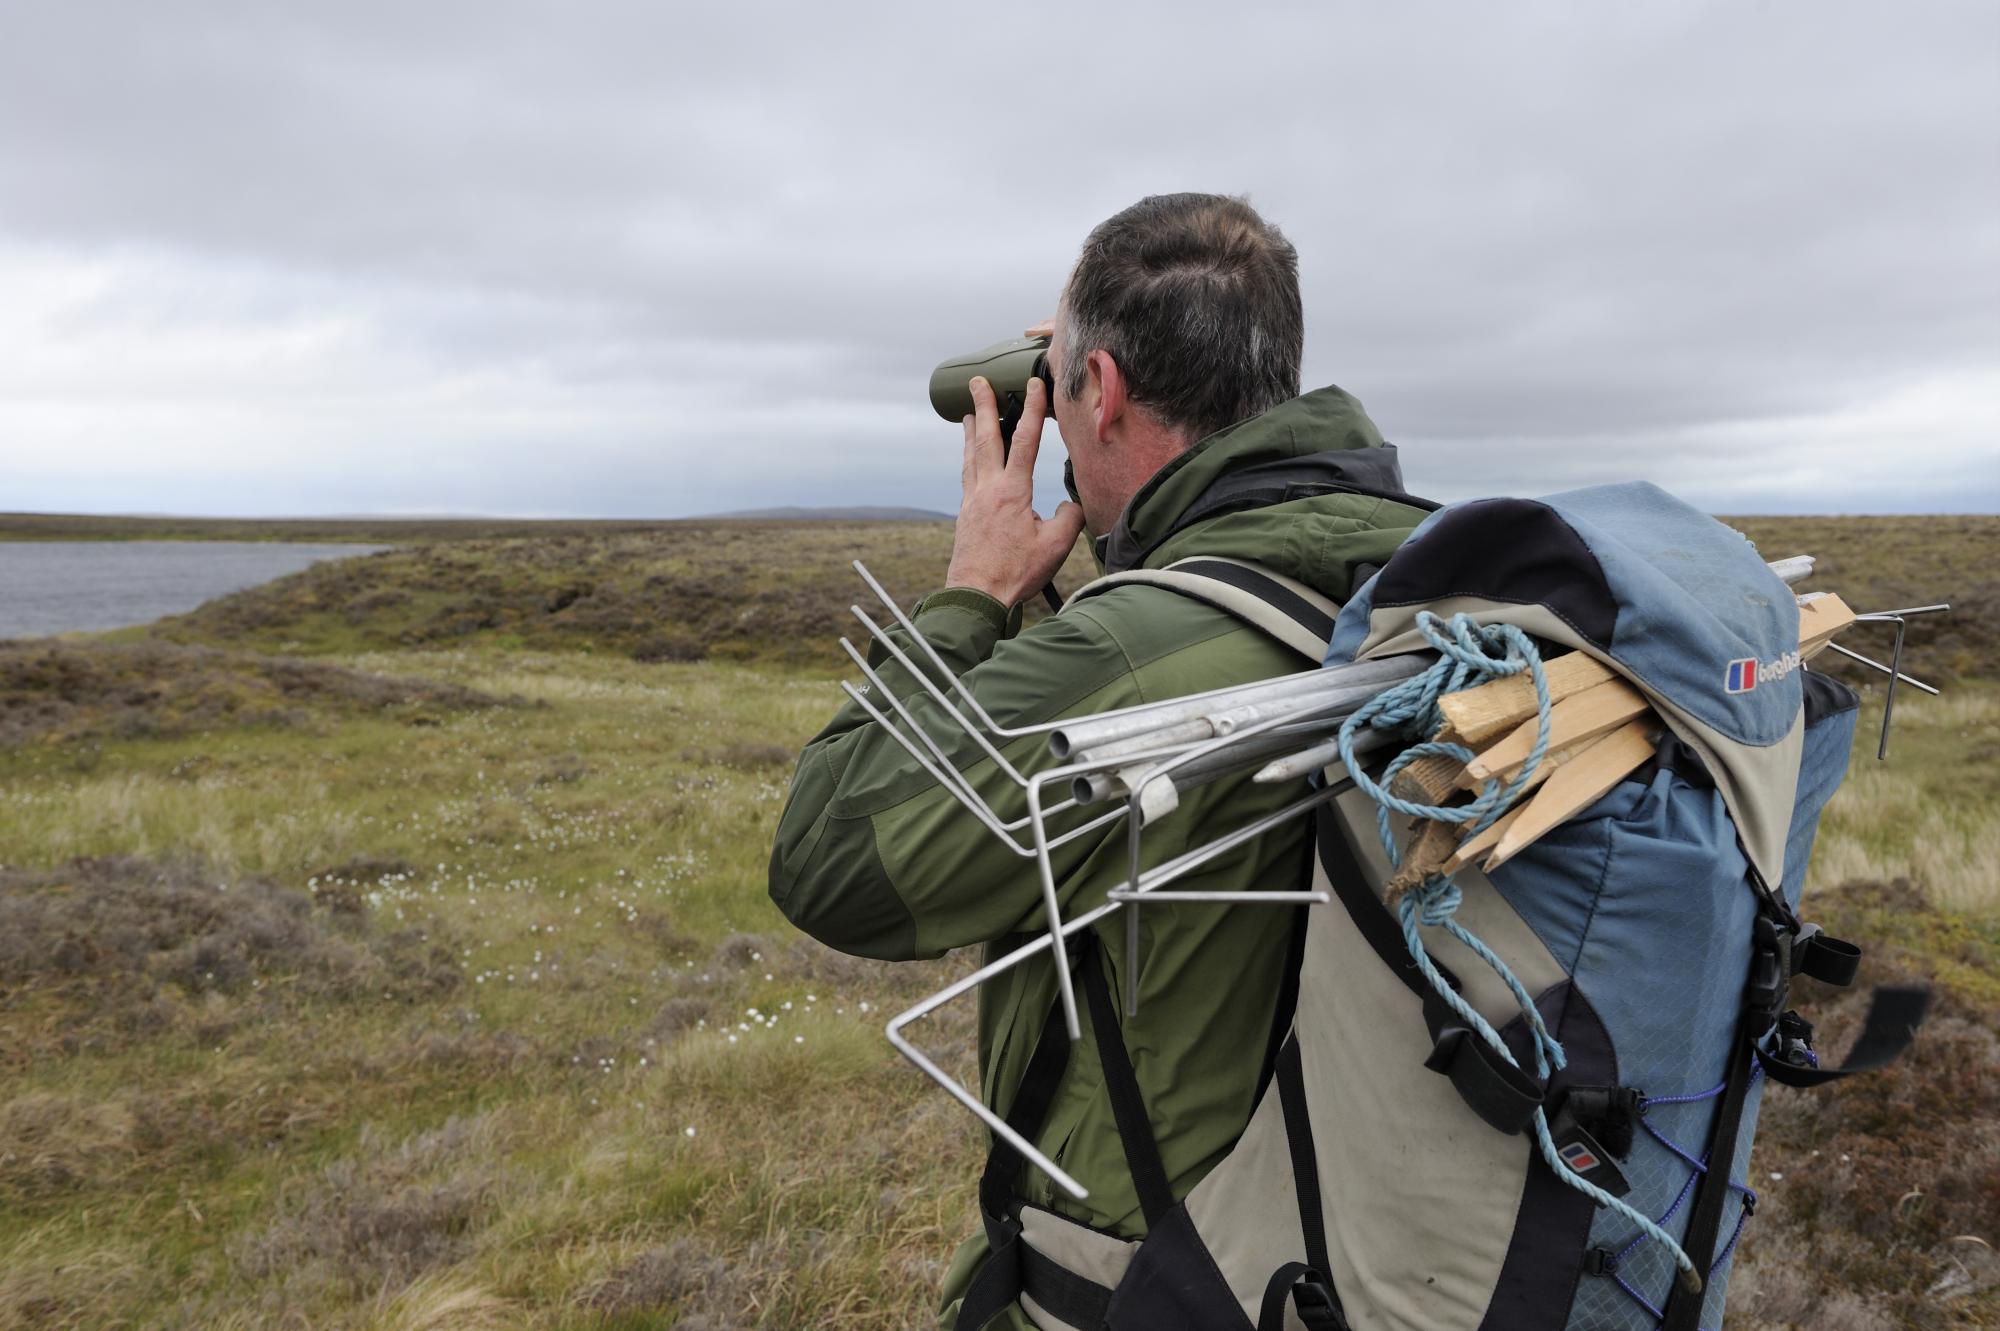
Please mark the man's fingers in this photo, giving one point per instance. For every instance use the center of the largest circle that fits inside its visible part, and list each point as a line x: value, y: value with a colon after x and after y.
x: 1046, y: 328
x: 1068, y: 517
x: 985, y: 452
x: 1056, y: 533
x: 1028, y: 432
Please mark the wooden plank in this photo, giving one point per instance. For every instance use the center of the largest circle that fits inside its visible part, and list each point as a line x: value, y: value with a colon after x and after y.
x: 1595, y: 711
x: 1574, y: 787
x: 1478, y: 714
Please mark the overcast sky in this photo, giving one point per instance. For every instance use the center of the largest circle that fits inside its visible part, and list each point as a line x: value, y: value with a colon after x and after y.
x: 655, y: 259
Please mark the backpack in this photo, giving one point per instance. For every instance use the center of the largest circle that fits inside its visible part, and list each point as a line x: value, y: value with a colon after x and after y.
x: 1400, y: 1171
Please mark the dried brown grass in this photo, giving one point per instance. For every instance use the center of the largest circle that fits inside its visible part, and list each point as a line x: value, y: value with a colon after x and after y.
x: 55, y: 691
x: 1888, y: 1184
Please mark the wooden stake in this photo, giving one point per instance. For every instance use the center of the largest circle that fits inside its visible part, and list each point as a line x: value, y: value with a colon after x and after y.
x: 1493, y: 708
x: 1819, y: 620
x: 1551, y: 760
x: 1424, y: 856
x: 1575, y: 786
x: 1595, y: 711
x: 1428, y: 780
x: 1474, y: 847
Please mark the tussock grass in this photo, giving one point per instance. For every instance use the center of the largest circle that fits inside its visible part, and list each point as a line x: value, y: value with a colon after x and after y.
x: 52, y: 691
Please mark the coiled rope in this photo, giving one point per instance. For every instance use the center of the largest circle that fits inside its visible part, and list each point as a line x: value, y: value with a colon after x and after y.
x: 1469, y: 654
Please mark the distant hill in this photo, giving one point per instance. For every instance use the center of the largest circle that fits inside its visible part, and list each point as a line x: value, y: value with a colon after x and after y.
x: 401, y: 530
x: 859, y: 513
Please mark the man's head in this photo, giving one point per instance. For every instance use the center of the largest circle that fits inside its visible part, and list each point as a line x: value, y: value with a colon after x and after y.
x: 1181, y: 317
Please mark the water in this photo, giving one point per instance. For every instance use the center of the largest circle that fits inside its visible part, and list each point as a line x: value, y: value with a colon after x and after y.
x: 65, y: 586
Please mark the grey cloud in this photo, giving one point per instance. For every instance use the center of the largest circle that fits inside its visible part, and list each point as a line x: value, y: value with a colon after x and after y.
x: 1543, y: 243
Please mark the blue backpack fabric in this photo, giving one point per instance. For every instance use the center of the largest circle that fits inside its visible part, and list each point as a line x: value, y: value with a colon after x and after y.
x: 1670, y: 904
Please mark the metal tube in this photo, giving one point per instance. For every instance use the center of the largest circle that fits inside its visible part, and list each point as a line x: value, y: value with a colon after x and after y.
x: 1362, y: 679
x: 1050, y: 903
x: 1307, y: 761
x: 1241, y: 898
x: 1164, y: 771
x: 1332, y: 702
x: 1179, y: 711
x: 1226, y: 762
x: 1794, y: 570
x: 1871, y: 663
x: 1889, y: 694
x: 1299, y: 725
x: 1906, y: 610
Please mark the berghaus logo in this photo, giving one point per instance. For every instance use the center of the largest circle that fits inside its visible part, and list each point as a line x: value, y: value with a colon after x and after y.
x: 1745, y: 674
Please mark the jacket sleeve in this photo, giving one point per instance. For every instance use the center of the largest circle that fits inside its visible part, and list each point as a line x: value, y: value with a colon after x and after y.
x: 873, y: 856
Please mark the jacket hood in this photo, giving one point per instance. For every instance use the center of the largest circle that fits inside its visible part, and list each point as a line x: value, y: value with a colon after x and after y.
x: 1291, y: 489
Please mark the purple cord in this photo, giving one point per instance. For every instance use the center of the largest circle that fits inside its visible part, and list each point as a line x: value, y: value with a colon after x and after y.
x: 1651, y: 1100
x: 1698, y: 1168
x: 1742, y: 1218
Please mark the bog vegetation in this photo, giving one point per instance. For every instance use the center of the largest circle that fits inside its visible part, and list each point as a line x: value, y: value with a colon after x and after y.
x: 387, y: 947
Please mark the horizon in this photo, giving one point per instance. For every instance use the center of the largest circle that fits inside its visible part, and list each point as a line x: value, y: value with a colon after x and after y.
x: 809, y: 509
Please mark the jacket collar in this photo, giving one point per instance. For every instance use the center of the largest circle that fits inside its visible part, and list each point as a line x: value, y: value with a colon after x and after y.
x: 1317, y: 443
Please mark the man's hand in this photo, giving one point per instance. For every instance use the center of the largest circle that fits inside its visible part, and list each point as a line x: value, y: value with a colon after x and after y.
x: 1001, y: 547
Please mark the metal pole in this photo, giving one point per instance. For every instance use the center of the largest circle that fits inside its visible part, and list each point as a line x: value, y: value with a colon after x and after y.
x: 1240, y: 706
x: 1794, y: 570
x: 1873, y: 664
x: 1889, y: 696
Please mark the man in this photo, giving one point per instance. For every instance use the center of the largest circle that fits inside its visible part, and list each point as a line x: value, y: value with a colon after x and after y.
x: 1175, y: 357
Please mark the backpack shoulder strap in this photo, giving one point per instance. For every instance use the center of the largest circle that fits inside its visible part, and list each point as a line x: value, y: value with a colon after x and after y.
x: 1284, y: 608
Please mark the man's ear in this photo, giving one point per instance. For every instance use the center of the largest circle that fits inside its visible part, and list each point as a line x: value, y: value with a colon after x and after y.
x: 1111, y: 392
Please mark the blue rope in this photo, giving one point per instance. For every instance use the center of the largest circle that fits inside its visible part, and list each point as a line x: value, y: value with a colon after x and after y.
x: 1469, y: 654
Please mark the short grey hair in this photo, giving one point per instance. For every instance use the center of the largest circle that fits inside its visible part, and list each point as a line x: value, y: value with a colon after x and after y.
x: 1196, y: 298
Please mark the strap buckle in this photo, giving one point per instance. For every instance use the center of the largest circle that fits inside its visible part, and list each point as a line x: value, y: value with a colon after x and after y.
x: 1316, y: 1304
x: 1795, y: 1041
x: 1770, y: 973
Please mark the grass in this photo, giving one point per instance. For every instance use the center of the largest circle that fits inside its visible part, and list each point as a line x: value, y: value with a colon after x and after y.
x: 358, y: 974
x: 330, y: 1024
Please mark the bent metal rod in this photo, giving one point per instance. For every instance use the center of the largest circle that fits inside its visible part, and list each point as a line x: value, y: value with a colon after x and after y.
x: 1221, y: 732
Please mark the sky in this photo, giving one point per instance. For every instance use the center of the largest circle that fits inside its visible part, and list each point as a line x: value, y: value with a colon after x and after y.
x: 659, y: 259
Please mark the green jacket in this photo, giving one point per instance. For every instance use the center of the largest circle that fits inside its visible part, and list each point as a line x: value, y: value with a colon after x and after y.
x: 874, y: 857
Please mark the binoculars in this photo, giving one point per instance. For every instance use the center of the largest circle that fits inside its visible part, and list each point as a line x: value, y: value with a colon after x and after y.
x: 1009, y: 366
